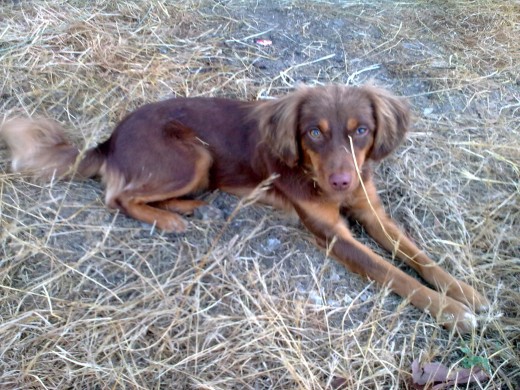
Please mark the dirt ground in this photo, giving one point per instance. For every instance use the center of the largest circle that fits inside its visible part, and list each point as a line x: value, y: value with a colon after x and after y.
x: 244, y: 300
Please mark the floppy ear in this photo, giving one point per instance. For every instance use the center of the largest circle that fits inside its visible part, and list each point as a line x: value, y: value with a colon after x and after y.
x: 278, y: 124
x: 392, y: 116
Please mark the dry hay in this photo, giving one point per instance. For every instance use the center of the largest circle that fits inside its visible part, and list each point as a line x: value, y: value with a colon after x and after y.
x: 91, y: 299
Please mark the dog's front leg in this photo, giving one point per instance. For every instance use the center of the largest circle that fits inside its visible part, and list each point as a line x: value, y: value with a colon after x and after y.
x: 366, y: 208
x: 325, y: 222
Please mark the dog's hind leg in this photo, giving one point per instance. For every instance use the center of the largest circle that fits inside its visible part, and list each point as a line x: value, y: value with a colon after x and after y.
x: 158, y: 203
x: 181, y: 206
x: 370, y: 213
x: 139, y: 208
x: 156, y: 197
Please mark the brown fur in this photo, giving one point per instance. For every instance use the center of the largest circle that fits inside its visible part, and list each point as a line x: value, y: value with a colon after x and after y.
x: 321, y: 143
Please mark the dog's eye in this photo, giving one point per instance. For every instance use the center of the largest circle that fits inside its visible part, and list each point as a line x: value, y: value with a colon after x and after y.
x: 361, y: 130
x: 315, y: 133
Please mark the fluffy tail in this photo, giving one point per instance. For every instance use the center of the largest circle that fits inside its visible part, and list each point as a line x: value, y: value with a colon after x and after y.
x: 39, y: 148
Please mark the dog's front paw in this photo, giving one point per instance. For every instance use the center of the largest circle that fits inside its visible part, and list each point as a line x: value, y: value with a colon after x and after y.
x: 455, y: 315
x: 468, y: 296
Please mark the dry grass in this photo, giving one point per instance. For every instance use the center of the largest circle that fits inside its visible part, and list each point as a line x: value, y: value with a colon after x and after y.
x: 91, y: 299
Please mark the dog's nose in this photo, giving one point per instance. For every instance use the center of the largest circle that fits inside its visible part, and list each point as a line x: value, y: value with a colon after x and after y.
x: 340, y: 181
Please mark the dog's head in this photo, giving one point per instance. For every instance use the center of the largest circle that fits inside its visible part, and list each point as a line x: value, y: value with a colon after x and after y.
x: 332, y: 131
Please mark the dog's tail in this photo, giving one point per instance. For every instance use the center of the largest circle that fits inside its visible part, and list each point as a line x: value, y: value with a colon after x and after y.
x: 39, y: 148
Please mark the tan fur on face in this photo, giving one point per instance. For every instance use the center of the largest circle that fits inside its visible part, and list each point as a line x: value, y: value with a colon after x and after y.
x: 324, y: 125
x: 352, y: 124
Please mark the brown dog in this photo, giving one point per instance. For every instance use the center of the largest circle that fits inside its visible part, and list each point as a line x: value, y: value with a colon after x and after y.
x: 321, y: 142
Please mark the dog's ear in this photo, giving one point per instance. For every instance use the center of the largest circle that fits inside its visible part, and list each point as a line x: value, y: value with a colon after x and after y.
x: 278, y: 122
x: 392, y: 116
